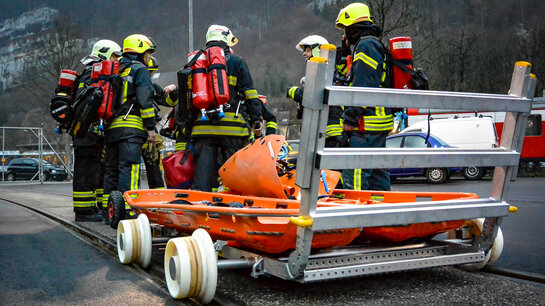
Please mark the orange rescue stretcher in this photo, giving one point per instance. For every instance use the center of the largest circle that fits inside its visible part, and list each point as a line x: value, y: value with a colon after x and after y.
x: 255, y: 211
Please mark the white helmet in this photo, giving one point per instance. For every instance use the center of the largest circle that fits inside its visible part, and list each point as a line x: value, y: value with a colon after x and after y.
x: 104, y: 48
x: 220, y: 33
x: 314, y: 42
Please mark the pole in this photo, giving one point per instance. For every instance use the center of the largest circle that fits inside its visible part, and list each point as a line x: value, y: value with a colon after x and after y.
x: 190, y: 26
x: 40, y: 167
x: 3, y: 153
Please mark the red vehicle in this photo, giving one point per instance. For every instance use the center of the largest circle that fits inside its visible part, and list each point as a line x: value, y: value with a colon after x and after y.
x: 533, y: 148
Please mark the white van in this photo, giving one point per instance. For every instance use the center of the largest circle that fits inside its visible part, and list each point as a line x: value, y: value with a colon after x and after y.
x: 467, y: 133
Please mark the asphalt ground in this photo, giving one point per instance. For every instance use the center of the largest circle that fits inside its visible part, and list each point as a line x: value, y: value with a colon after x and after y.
x: 41, y: 262
x: 445, y: 285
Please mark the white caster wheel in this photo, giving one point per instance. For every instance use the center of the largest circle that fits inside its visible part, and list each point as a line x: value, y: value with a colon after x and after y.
x: 475, y: 230
x: 134, y: 241
x: 497, y: 248
x: 191, y: 268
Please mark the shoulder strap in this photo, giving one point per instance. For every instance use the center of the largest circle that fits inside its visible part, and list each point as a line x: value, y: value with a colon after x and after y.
x: 194, y: 59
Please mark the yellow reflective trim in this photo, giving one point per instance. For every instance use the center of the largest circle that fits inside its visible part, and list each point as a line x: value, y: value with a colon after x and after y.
x: 251, y: 94
x: 180, y: 146
x: 125, y: 89
x: 83, y: 193
x: 147, y: 113
x: 272, y: 124
x: 169, y: 101
x: 232, y: 80
x: 357, y: 179
x: 366, y: 59
x: 291, y: 92
x: 81, y: 85
x: 219, y: 130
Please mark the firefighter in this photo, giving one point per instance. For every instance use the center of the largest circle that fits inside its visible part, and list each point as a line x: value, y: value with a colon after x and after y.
x: 151, y: 151
x: 217, y: 139
x: 88, y: 163
x: 366, y: 127
x: 134, y: 120
x: 310, y: 46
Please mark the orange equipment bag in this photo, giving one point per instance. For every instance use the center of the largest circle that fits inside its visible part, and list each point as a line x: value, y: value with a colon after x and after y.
x: 179, y: 171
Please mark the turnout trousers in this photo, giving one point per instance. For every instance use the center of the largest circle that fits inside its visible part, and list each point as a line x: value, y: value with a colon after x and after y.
x: 88, y: 178
x: 367, y: 179
x: 209, y: 154
x: 122, y: 167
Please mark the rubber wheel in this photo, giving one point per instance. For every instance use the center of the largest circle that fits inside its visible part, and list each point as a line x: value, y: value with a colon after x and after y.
x: 47, y: 176
x: 436, y: 175
x: 134, y: 241
x: 473, y: 173
x: 191, y: 267
x: 116, y: 208
x: 475, y: 230
x: 11, y: 177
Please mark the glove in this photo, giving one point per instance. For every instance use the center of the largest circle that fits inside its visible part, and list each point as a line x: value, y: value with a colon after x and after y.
x: 149, y: 153
x: 257, y: 128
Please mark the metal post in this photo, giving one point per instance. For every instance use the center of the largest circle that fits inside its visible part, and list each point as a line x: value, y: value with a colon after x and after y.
x: 3, y: 152
x: 190, y: 11
x: 319, y: 75
x: 40, y: 162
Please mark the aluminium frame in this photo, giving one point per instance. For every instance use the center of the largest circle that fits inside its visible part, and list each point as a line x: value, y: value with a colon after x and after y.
x: 303, y: 266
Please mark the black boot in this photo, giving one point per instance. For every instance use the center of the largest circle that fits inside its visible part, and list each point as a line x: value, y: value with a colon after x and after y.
x: 88, y: 218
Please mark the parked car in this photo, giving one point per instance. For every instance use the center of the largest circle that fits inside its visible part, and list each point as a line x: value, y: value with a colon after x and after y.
x: 27, y: 168
x: 418, y: 140
x: 467, y: 133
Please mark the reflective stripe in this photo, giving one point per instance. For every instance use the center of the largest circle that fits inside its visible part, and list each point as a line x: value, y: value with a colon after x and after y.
x: 357, y: 179
x: 383, y: 72
x: 377, y: 197
x: 147, y: 113
x: 135, y: 176
x: 84, y: 204
x: 251, y: 94
x: 366, y: 59
x: 125, y: 89
x: 333, y: 130
x: 170, y: 102
x: 81, y: 85
x: 272, y: 124
x: 83, y: 193
x: 219, y: 130
x: 291, y: 92
x: 232, y: 80
x: 105, y: 200
x: 180, y: 146
x: 132, y: 121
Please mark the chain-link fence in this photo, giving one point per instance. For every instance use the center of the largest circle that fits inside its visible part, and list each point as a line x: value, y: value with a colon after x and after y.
x: 27, y: 155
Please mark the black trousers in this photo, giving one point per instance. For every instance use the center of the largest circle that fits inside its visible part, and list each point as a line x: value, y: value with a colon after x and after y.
x: 122, y: 162
x: 210, y: 154
x: 88, y: 178
x: 154, y: 174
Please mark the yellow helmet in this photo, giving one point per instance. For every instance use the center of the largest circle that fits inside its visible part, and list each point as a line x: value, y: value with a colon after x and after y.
x: 138, y: 43
x: 353, y: 13
x: 153, y: 64
x: 221, y: 33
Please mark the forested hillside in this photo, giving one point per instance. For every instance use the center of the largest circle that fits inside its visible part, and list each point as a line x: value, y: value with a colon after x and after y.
x: 463, y: 45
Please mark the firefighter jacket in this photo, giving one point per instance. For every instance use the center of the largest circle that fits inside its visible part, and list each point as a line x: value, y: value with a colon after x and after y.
x: 91, y: 139
x: 334, y: 126
x: 369, y: 70
x: 233, y: 124
x: 135, y: 114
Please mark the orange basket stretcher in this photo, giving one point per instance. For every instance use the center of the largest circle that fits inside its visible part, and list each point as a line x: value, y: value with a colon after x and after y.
x: 263, y: 224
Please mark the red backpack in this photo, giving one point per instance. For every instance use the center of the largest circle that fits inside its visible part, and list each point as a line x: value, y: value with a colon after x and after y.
x: 210, y: 84
x: 102, y: 76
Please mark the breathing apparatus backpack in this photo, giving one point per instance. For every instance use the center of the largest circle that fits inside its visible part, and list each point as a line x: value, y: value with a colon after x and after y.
x: 97, y: 102
x: 61, y: 103
x: 209, y: 81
